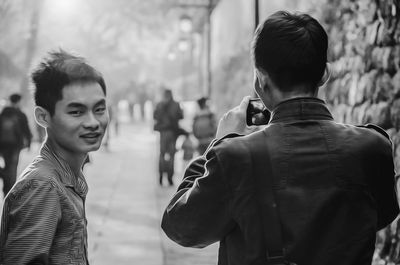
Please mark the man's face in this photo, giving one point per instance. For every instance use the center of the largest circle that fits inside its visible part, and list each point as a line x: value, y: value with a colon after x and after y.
x: 80, y: 118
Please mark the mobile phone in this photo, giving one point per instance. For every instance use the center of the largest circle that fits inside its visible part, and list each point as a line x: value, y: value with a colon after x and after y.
x: 256, y: 113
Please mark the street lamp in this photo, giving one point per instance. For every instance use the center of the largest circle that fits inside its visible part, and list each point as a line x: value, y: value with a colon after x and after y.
x: 183, y: 45
x: 185, y: 24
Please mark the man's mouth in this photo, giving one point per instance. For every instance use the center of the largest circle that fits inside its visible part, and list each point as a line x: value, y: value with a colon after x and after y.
x: 91, y: 135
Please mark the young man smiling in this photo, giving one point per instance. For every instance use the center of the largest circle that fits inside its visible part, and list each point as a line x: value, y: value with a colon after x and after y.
x: 43, y: 220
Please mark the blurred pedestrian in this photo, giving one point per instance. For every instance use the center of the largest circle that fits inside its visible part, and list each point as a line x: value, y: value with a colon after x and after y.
x: 116, y: 119
x: 303, y: 189
x: 188, y: 149
x: 142, y: 99
x: 43, y: 220
x: 14, y: 136
x: 131, y: 110
x: 106, y: 138
x: 166, y: 121
x: 204, y: 125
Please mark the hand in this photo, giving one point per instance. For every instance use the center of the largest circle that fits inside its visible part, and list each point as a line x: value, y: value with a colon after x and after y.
x: 234, y: 121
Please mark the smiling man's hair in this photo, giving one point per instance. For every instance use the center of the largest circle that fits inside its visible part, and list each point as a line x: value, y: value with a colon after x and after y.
x: 58, y: 70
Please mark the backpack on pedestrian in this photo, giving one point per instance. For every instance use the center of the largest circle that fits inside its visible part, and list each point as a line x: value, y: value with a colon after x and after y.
x: 10, y: 130
x: 204, y: 126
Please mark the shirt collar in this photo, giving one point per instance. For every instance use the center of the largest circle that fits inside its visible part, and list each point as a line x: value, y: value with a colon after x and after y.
x: 65, y: 173
x: 301, y: 108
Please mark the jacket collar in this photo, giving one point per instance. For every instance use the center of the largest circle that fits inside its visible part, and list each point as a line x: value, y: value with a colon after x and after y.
x: 65, y: 173
x: 301, y: 108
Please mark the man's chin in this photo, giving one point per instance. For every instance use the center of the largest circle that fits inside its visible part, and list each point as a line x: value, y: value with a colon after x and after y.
x: 94, y: 147
x: 86, y: 148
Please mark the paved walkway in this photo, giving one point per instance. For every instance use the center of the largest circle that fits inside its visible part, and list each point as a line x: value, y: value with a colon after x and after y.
x: 121, y: 206
x: 125, y: 204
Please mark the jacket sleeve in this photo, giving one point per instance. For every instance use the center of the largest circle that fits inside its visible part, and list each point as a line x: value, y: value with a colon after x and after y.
x: 31, y: 213
x: 198, y: 214
x: 384, y: 187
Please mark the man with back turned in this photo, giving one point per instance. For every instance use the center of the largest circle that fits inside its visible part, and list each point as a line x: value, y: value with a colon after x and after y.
x: 15, y: 135
x: 326, y: 187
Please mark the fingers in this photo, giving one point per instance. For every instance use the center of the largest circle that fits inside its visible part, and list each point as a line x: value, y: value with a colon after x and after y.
x: 241, y: 108
x: 234, y: 121
x: 245, y: 102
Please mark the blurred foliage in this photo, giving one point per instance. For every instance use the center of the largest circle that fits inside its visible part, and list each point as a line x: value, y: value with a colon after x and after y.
x: 124, y: 39
x: 364, y: 55
x: 12, y: 43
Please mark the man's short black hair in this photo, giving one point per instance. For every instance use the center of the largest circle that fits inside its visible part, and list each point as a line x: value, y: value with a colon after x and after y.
x: 57, y: 71
x: 168, y: 93
x: 15, y: 98
x: 292, y: 49
x: 202, y: 102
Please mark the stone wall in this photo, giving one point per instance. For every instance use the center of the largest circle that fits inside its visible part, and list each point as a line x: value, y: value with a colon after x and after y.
x: 365, y: 59
x: 364, y: 87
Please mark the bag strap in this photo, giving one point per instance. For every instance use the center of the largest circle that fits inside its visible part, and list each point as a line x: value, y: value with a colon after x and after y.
x: 264, y: 187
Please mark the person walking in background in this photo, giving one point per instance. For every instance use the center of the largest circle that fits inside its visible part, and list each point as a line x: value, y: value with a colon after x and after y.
x: 188, y: 149
x: 303, y: 189
x: 14, y: 136
x: 142, y: 98
x: 166, y: 121
x: 43, y: 219
x: 204, y: 125
x: 107, y: 136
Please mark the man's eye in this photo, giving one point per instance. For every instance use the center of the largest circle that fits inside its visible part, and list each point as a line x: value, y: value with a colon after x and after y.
x: 75, y: 112
x: 100, y: 110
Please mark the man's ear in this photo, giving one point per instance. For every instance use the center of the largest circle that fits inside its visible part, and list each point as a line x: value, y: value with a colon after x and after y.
x: 327, y: 74
x: 262, y: 78
x: 42, y: 116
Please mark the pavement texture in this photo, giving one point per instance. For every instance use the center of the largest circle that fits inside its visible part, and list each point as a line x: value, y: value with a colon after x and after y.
x: 121, y: 203
x: 124, y: 205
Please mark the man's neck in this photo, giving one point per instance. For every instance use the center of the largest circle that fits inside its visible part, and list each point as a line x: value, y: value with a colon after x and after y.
x: 75, y: 161
x: 283, y: 96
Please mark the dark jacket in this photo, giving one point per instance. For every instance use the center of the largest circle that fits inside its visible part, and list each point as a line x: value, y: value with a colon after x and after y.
x: 23, y: 135
x: 334, y: 188
x: 167, y: 115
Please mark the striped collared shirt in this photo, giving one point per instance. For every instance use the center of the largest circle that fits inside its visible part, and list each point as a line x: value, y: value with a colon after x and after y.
x: 43, y: 220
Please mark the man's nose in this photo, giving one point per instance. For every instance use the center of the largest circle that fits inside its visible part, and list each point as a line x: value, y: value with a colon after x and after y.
x: 91, y: 121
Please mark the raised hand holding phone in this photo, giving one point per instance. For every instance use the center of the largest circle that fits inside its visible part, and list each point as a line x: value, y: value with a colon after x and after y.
x: 234, y: 121
x: 256, y: 113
